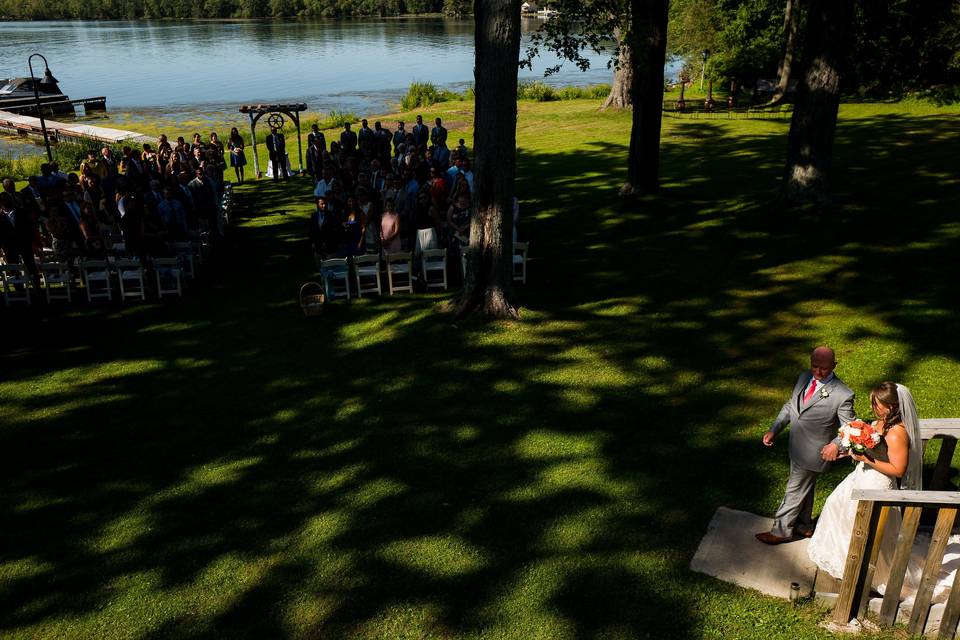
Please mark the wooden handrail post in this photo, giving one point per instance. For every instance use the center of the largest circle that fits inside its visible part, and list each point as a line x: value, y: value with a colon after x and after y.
x: 951, y: 613
x: 931, y: 570
x: 875, y: 541
x: 898, y: 567
x: 854, y: 572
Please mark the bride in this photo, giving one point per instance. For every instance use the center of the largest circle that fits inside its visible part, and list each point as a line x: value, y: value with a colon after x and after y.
x: 897, y: 421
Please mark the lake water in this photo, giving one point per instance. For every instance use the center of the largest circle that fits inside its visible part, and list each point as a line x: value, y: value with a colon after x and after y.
x: 358, y: 65
x: 207, y: 69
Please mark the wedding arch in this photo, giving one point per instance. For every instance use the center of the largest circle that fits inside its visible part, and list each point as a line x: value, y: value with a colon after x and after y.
x: 274, y: 113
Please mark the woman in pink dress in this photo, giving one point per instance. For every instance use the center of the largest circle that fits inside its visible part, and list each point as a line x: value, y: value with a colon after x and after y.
x: 390, y: 228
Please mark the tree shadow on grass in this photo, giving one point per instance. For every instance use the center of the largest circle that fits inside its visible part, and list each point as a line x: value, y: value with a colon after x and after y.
x: 221, y: 466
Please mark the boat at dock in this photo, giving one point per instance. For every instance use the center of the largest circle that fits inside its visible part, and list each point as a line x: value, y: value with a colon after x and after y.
x: 17, y: 96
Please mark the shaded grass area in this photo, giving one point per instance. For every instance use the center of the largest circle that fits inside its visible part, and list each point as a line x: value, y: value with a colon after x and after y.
x: 220, y: 466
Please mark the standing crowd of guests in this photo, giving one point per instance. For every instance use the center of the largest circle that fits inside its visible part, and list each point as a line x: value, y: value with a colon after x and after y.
x: 380, y: 190
x: 145, y: 198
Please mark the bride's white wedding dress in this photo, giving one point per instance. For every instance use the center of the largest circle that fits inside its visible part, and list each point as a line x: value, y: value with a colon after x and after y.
x: 831, y: 540
x: 829, y: 544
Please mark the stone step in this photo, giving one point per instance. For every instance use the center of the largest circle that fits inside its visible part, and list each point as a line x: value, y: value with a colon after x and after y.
x: 903, y: 613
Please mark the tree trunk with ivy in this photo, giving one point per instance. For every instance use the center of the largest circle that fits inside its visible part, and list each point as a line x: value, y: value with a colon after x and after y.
x: 814, y: 122
x: 619, y: 97
x: 648, y: 41
x: 489, y: 274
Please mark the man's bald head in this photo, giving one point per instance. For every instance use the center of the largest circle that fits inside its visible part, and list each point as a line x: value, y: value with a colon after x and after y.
x: 823, y: 360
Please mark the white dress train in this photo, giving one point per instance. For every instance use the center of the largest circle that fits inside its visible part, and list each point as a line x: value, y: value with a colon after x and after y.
x: 831, y: 540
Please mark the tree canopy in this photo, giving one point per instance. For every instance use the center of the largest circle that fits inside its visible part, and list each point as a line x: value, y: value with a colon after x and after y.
x: 895, y: 45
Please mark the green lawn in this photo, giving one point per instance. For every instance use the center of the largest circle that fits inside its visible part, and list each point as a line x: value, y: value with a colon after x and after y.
x: 219, y: 466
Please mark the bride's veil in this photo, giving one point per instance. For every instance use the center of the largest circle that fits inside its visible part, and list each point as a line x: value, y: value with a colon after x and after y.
x: 913, y: 477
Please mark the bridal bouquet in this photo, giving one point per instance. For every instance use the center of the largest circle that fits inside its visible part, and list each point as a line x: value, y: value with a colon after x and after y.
x: 863, y: 439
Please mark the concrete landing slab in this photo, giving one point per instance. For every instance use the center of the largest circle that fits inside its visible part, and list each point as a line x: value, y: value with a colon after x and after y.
x: 730, y: 552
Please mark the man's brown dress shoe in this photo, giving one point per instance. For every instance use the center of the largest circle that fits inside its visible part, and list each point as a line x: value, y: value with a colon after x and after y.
x: 768, y: 538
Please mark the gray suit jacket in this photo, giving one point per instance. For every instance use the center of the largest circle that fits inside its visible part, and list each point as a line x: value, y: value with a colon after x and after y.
x: 815, y: 424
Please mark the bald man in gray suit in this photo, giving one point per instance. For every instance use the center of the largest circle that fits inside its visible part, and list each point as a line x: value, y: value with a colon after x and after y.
x: 819, y: 404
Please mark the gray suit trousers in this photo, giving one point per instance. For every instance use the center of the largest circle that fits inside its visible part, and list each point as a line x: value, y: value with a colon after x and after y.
x: 795, y: 514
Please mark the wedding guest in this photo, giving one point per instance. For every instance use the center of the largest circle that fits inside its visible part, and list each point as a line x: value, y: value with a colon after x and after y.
x: 238, y: 159
x: 438, y: 135
x: 399, y: 137
x: 173, y: 216
x: 354, y: 229
x: 458, y: 219
x: 93, y: 166
x: 316, y: 137
x: 315, y: 153
x: 420, y: 133
x: 366, y: 139
x: 95, y: 244
x: 348, y: 140
x: 390, y: 228
x: 325, y: 229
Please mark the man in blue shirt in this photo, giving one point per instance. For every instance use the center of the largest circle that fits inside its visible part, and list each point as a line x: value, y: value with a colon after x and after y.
x: 454, y: 173
x: 172, y: 214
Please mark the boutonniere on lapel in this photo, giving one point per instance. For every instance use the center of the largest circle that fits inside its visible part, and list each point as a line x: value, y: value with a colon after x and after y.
x: 824, y: 393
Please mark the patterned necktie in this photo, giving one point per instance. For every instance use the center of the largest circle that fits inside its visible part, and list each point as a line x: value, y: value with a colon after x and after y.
x: 809, y: 393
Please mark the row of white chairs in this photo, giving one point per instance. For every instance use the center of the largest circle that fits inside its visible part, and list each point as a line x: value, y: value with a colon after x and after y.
x: 100, y: 279
x: 520, y: 250
x: 399, y: 271
x: 367, y: 274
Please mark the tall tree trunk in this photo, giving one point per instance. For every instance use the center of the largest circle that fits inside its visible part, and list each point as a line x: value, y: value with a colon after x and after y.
x: 619, y: 97
x: 814, y: 123
x: 489, y: 275
x: 791, y: 26
x: 648, y: 40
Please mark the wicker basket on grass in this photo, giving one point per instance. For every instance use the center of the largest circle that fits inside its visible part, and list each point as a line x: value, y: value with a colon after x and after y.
x: 312, y: 299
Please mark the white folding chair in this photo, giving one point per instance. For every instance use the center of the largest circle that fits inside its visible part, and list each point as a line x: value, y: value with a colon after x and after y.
x: 16, y: 283
x: 96, y: 279
x: 167, y: 271
x: 130, y: 275
x: 57, y: 280
x: 399, y: 267
x: 46, y: 254
x: 336, y: 277
x: 520, y: 261
x: 185, y: 251
x: 434, y: 261
x: 366, y: 269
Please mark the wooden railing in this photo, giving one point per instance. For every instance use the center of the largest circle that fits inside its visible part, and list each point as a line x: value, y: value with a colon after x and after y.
x: 872, y: 513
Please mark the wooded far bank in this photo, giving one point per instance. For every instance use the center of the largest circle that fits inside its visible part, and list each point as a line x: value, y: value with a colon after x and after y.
x: 220, y: 9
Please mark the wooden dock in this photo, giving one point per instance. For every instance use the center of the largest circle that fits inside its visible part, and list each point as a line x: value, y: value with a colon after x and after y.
x: 30, y: 126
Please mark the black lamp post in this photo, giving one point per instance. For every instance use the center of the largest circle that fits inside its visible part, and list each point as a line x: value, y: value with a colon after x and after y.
x: 47, y: 79
x: 703, y: 70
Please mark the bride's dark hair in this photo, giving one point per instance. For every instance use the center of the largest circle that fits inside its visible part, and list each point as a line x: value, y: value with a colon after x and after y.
x: 886, y: 394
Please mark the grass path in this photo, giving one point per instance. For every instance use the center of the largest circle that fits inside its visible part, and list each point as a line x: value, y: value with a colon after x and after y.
x: 220, y: 467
